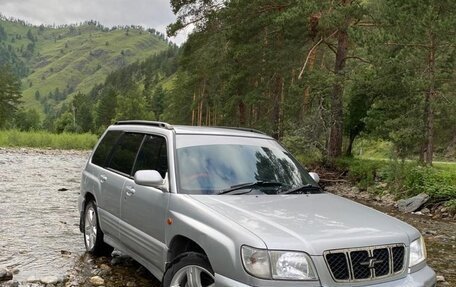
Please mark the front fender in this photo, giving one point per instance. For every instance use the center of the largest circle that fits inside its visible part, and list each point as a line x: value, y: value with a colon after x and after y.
x: 219, y: 237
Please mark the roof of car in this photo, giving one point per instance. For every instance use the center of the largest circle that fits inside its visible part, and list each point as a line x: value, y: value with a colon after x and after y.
x: 198, y: 130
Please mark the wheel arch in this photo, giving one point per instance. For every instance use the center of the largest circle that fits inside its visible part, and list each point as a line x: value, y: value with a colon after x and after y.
x: 88, y: 196
x: 181, y: 244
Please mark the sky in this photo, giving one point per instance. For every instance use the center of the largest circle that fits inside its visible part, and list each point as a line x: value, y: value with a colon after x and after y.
x: 148, y: 13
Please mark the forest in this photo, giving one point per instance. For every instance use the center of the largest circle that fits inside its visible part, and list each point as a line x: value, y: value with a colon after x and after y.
x: 322, y: 72
x: 317, y: 75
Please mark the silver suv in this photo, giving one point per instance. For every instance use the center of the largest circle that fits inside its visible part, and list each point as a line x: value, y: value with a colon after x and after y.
x: 200, y: 206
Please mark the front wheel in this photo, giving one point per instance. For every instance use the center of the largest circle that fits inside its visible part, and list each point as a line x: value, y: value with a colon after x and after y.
x: 191, y: 270
x: 93, y: 236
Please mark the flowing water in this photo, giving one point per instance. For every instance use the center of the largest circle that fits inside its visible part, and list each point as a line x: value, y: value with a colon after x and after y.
x: 39, y: 234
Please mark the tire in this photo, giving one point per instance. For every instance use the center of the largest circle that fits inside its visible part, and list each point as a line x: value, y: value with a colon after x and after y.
x: 93, y: 236
x: 189, y: 265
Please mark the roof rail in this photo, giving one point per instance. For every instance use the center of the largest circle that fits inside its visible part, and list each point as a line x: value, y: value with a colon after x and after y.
x: 242, y: 129
x: 145, y: 123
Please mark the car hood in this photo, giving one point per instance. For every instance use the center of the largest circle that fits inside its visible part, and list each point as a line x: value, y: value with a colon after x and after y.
x: 312, y: 223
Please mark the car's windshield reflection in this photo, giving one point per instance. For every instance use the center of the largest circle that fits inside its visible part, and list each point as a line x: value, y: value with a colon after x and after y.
x: 208, y: 169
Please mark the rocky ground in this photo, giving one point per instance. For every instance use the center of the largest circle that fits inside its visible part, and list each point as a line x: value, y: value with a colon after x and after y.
x: 40, y: 244
x: 439, y: 234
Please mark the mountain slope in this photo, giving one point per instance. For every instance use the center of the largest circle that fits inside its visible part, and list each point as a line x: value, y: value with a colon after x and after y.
x: 62, y: 61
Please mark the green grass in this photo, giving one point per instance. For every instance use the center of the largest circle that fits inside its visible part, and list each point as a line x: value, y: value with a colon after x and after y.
x: 446, y: 166
x: 376, y: 149
x: 42, y: 139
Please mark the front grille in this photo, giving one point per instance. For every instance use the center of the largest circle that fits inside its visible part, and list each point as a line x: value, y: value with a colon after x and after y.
x: 360, y: 264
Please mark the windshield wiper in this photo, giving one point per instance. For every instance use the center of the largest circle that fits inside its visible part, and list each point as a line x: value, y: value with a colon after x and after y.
x: 306, y: 188
x: 250, y: 185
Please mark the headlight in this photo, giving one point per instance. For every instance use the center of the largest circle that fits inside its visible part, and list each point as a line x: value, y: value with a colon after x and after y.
x: 291, y: 266
x: 417, y: 252
x: 280, y: 265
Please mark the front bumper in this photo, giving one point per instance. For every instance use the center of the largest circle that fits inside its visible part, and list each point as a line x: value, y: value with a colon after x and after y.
x: 425, y: 277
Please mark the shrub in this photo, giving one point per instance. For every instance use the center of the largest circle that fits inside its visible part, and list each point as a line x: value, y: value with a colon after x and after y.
x: 432, y: 181
x: 362, y: 171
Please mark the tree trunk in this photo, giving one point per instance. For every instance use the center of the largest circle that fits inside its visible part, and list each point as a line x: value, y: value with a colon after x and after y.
x: 450, y: 151
x: 306, y: 99
x: 277, y: 106
x: 428, y: 107
x: 200, y: 115
x: 348, y: 152
x: 281, y: 111
x: 337, y: 114
x: 201, y: 104
x: 241, y: 107
x: 193, y: 108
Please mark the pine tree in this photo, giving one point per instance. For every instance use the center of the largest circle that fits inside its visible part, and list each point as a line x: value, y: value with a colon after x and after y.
x: 418, y: 53
x: 10, y: 95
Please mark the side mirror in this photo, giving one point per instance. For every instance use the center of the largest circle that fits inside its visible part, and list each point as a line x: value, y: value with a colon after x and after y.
x: 315, y: 176
x: 148, y: 178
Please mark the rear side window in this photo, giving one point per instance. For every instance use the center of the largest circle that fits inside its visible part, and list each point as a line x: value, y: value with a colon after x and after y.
x: 104, y: 148
x: 124, y: 154
x: 153, y: 155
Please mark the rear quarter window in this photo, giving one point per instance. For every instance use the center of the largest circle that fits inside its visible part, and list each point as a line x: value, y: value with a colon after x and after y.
x: 124, y: 154
x: 104, y: 148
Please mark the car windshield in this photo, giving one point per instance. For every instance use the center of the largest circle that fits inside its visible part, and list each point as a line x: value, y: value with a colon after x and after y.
x: 213, y: 164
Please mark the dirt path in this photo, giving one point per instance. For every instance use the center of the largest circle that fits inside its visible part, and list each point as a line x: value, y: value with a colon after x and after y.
x: 40, y: 239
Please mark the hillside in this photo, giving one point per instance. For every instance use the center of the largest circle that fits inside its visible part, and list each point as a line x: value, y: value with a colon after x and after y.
x: 57, y: 62
x: 138, y: 90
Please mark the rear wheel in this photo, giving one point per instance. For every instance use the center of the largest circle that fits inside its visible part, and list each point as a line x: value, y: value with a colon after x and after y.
x: 93, y: 236
x: 191, y: 270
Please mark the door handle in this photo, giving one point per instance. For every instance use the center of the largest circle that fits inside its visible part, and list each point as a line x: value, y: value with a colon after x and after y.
x: 103, y: 178
x: 130, y: 190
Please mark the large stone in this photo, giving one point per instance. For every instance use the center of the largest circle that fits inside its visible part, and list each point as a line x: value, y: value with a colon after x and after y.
x: 50, y: 280
x: 96, y: 281
x: 425, y: 210
x: 5, y: 275
x: 105, y: 267
x: 412, y: 204
x: 440, y: 278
